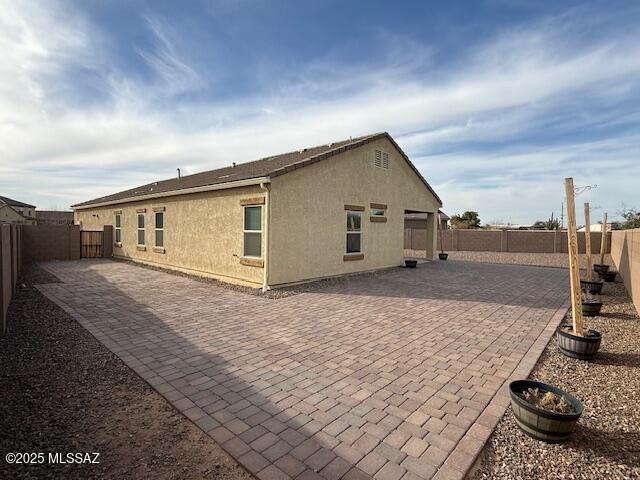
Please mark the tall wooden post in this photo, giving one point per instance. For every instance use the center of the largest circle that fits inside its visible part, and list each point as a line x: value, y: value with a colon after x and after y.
x: 603, y: 239
x: 587, y: 242
x: 574, y: 266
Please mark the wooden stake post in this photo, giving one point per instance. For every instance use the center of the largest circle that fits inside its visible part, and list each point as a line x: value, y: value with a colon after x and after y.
x: 603, y: 239
x: 574, y: 266
x: 587, y: 242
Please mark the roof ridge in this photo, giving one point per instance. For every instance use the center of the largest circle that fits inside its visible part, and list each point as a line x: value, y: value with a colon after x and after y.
x: 269, y: 157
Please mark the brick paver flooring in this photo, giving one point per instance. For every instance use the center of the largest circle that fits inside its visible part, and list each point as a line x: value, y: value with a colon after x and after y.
x: 386, y: 377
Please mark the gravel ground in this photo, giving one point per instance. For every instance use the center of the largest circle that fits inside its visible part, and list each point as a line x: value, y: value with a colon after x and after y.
x: 273, y: 294
x: 606, y: 444
x: 538, y: 259
x: 62, y: 391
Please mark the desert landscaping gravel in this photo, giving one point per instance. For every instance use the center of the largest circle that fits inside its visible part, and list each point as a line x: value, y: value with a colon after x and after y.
x: 62, y: 391
x: 606, y: 443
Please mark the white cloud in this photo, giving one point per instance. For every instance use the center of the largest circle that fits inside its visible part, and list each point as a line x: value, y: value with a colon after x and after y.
x: 53, y: 151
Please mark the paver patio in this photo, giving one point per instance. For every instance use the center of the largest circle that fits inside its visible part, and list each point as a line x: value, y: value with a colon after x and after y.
x: 388, y: 377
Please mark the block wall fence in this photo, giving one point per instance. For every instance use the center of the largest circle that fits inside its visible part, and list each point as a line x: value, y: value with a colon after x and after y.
x: 11, y: 257
x: 625, y: 253
x: 36, y: 243
x: 514, y: 241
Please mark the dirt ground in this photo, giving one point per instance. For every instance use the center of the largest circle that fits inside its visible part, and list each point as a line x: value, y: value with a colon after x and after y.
x: 61, y: 391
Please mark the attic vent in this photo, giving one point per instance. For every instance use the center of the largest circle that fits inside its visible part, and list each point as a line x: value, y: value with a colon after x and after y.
x: 381, y: 159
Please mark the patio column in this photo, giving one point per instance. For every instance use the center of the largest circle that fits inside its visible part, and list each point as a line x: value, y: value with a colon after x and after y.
x: 431, y: 235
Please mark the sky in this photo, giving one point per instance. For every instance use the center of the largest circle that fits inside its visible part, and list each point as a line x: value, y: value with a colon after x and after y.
x: 495, y: 101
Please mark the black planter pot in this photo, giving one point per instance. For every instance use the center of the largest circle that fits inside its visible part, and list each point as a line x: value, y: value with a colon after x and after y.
x: 583, y: 348
x: 443, y: 256
x: 591, y: 308
x: 608, y: 276
x: 600, y: 268
x: 411, y: 263
x: 593, y: 287
x: 550, y: 427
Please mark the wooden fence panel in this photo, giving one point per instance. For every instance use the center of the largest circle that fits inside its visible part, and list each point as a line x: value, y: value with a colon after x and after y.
x: 91, y: 244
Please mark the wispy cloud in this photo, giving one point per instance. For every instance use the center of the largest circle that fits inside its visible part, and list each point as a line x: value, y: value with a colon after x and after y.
x: 509, y: 113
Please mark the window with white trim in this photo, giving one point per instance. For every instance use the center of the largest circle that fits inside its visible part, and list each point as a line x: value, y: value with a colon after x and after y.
x: 141, y: 229
x: 354, y: 231
x: 378, y: 212
x: 118, y: 224
x: 159, y: 229
x: 252, y: 231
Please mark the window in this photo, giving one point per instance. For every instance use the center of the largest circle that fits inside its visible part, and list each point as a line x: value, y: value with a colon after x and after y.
x: 160, y: 229
x: 252, y: 231
x: 378, y: 212
x: 118, y: 232
x: 141, y: 229
x: 354, y: 232
x: 381, y: 159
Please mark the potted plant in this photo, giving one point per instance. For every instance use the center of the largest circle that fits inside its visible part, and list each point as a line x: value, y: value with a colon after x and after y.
x: 591, y: 304
x: 544, y: 412
x: 593, y: 287
x: 589, y: 284
x: 573, y: 341
x: 582, y: 347
x: 441, y: 255
x: 608, y: 276
x: 411, y: 263
x: 600, y: 268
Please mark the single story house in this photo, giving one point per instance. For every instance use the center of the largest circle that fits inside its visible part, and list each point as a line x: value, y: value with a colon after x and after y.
x: 13, y: 211
x: 313, y: 213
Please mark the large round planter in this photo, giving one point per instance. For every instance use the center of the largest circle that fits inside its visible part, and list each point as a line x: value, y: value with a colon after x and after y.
x: 600, y: 268
x: 583, y: 348
x: 591, y: 308
x: 443, y: 256
x: 608, y: 276
x: 551, y: 427
x: 593, y: 287
x: 411, y: 263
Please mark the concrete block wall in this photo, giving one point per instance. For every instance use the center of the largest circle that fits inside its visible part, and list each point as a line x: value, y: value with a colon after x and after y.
x: 625, y: 253
x: 51, y: 242
x: 10, y: 266
x: 515, y: 241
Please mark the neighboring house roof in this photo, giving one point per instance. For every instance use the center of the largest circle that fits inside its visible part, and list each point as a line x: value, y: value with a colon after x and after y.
x: 596, y: 227
x: 15, y: 203
x: 266, y: 167
x: 424, y: 216
x: 54, y: 216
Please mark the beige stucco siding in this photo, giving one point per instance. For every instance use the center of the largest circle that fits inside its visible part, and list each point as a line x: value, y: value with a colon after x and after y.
x: 308, y: 219
x: 9, y: 215
x: 203, y: 232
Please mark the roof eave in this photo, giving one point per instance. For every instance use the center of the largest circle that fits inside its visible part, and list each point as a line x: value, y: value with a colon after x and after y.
x: 172, y: 193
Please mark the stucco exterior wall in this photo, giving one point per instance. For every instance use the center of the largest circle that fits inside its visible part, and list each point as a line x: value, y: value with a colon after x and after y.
x: 308, y: 218
x: 203, y: 233
x: 9, y: 215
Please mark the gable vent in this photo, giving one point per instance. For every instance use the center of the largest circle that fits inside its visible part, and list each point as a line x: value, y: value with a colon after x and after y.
x: 381, y: 159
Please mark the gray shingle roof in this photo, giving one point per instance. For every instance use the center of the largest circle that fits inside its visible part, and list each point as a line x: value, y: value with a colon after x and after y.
x: 265, y: 167
x: 15, y: 203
